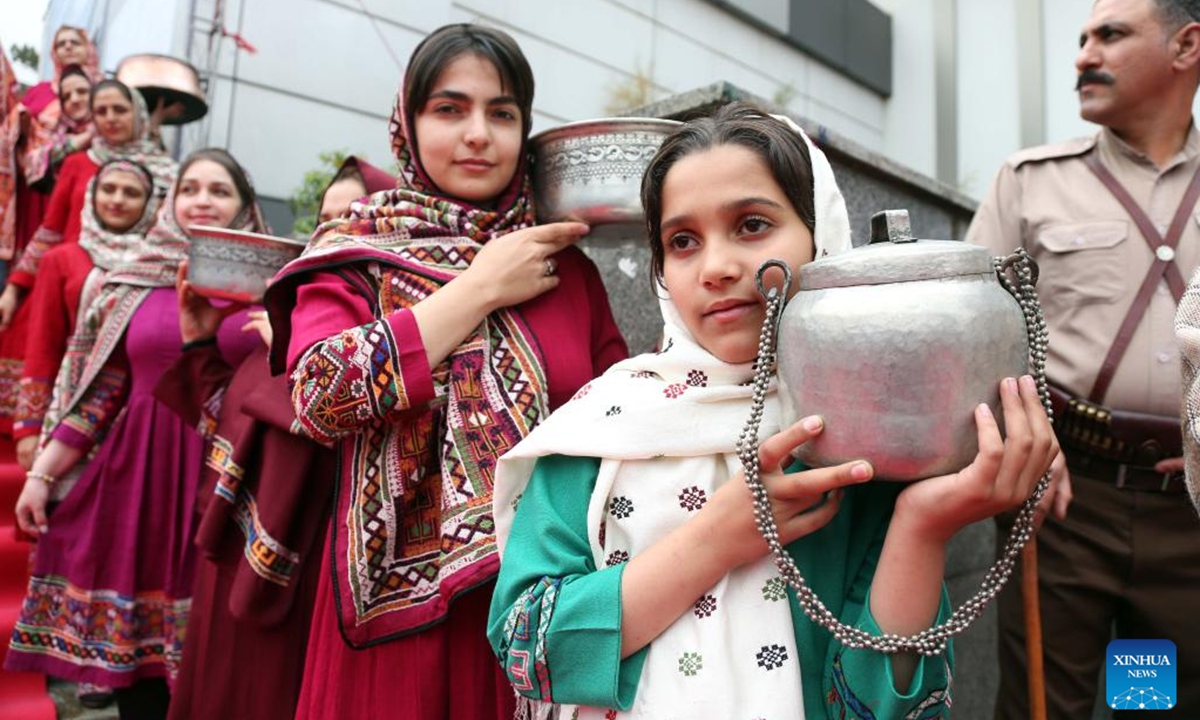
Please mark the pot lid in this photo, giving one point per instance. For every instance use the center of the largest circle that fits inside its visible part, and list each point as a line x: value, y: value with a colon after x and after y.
x: 895, y: 256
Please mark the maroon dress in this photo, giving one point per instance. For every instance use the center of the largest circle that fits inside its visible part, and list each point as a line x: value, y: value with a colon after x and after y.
x: 112, y: 581
x: 447, y: 670
x: 262, y: 507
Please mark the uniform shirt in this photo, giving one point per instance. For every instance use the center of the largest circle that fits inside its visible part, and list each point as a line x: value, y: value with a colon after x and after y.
x: 1093, y: 259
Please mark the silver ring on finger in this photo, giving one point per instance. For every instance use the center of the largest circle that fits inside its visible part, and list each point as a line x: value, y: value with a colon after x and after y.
x: 551, y: 267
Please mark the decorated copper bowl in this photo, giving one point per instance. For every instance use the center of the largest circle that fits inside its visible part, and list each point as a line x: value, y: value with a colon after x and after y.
x: 166, y: 79
x: 591, y: 171
x: 234, y: 264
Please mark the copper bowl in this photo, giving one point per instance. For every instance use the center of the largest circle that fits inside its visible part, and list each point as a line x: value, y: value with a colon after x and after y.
x: 162, y: 78
x: 591, y: 171
x: 235, y: 264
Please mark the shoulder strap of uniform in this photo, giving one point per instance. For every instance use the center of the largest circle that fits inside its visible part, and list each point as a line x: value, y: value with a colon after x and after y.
x: 1056, y: 151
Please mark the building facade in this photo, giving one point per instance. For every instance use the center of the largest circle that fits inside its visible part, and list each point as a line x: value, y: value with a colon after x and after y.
x: 945, y: 87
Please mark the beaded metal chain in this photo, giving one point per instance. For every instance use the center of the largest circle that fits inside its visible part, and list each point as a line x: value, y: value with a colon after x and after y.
x: 932, y: 641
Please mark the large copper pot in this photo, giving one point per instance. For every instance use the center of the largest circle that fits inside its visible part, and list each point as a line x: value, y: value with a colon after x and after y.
x: 166, y: 79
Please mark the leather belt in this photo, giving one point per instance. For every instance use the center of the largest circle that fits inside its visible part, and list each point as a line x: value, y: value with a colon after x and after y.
x: 1123, y: 475
x: 1119, y: 436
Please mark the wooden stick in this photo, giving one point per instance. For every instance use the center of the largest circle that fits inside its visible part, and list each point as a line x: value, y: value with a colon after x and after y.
x: 1033, y: 631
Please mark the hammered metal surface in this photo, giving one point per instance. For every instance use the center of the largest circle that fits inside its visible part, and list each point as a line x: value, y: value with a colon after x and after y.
x: 897, y: 369
x: 591, y: 171
x: 235, y: 268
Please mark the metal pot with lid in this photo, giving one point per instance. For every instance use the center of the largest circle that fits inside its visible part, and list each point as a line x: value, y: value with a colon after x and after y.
x: 894, y: 344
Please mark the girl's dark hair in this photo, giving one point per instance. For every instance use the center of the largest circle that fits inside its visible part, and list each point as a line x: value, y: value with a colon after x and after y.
x: 446, y: 44
x: 241, y: 181
x: 781, y: 148
x: 110, y: 83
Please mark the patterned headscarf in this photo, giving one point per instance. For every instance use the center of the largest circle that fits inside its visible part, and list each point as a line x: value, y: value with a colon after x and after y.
x: 518, y: 195
x: 140, y: 148
x: 111, y: 296
x: 411, y: 241
x: 48, y: 146
x: 373, y: 179
x: 107, y: 248
x: 91, y: 66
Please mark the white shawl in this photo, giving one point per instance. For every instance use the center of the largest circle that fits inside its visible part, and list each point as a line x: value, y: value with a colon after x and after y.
x: 665, y: 426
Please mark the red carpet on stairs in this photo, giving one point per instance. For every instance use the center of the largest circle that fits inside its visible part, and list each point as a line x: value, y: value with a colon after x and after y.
x: 22, y: 695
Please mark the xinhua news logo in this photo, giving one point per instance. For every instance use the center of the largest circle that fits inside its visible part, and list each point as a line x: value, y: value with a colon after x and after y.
x: 1141, y: 675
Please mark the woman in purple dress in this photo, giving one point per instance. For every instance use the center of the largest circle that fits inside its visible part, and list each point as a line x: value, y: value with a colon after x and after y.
x: 111, y: 586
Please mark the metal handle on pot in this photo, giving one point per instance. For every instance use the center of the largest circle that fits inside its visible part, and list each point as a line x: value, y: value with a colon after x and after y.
x: 766, y: 292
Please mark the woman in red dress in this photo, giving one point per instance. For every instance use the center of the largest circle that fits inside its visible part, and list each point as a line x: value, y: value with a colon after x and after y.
x: 426, y: 334
x: 123, y: 207
x: 123, y: 132
x: 111, y: 584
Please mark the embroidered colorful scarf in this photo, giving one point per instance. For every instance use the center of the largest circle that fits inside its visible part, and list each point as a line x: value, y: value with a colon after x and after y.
x: 665, y: 426
x: 141, y: 148
x: 46, y: 147
x: 412, y: 518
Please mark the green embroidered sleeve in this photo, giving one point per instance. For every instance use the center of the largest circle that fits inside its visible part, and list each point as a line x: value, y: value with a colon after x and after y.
x: 839, y: 563
x: 555, y: 619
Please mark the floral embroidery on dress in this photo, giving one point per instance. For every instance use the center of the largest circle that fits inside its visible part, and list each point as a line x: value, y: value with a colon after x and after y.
x: 697, y: 378
x: 774, y: 590
x: 582, y: 392
x: 674, y: 390
x: 613, y: 411
x: 691, y: 663
x: 771, y: 657
x: 621, y: 507
x: 705, y: 606
x: 616, y: 557
x: 101, y: 628
x: 692, y: 499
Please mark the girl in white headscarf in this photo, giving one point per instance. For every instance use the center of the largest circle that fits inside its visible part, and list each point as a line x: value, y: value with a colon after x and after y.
x: 633, y: 580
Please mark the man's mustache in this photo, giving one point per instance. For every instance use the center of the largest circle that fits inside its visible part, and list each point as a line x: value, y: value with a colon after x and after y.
x: 1093, y: 76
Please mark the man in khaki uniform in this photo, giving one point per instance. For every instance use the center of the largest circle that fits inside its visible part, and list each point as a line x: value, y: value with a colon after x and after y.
x: 1112, y: 222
